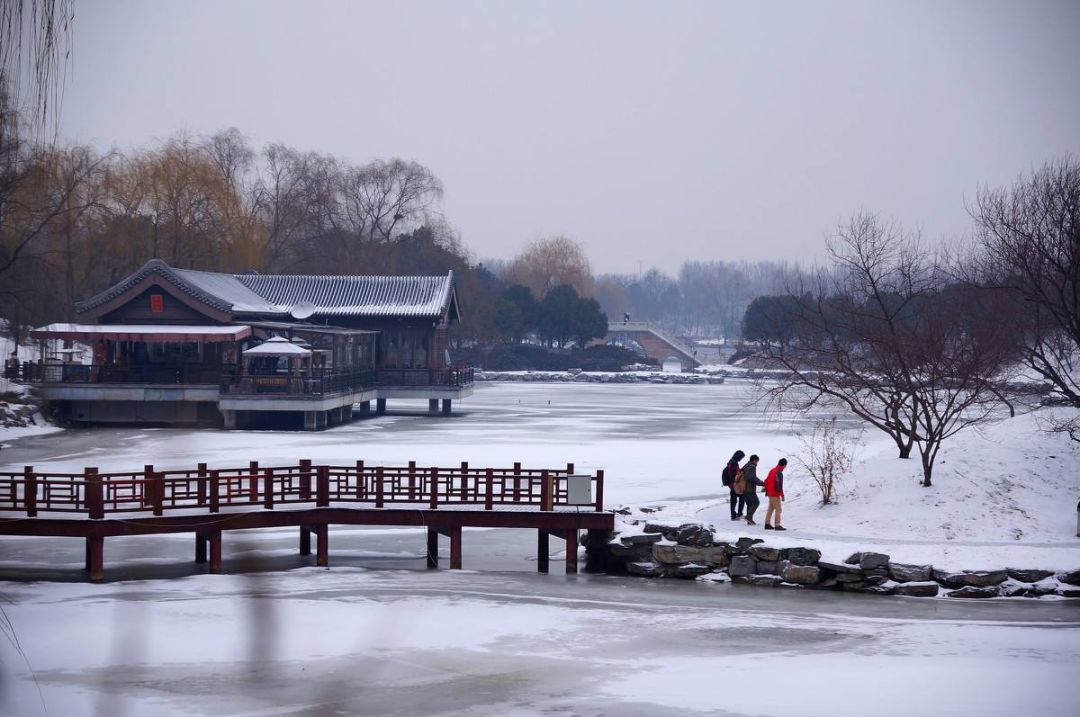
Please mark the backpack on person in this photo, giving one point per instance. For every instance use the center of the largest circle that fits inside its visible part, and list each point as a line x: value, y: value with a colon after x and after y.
x: 727, y: 476
x: 739, y: 484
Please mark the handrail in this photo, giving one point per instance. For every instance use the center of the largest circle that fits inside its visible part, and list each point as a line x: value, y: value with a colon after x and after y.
x: 96, y: 495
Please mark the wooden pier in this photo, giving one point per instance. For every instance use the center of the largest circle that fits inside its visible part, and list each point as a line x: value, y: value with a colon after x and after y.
x: 208, y: 503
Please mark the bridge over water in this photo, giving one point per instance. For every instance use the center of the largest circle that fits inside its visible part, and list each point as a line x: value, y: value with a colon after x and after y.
x: 650, y: 340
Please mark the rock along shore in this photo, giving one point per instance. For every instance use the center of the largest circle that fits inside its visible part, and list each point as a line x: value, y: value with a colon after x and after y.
x: 690, y: 551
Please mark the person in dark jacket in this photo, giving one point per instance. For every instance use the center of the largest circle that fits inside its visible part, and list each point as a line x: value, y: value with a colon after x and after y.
x: 752, y: 484
x: 774, y: 491
x: 738, y: 504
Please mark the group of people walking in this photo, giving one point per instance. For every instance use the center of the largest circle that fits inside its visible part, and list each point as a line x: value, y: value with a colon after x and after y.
x: 743, y: 482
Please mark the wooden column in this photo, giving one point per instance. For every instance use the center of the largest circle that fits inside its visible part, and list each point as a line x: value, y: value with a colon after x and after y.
x: 432, y: 548
x: 305, y: 540
x: 215, y: 551
x: 200, y: 548
x: 455, y: 548
x: 543, y: 545
x: 95, y: 558
x: 322, y: 548
x: 571, y: 551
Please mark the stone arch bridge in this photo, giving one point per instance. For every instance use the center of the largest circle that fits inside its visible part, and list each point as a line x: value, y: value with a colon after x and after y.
x: 650, y: 340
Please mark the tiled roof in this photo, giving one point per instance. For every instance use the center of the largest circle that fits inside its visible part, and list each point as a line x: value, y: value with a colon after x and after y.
x: 356, y: 295
x: 278, y: 294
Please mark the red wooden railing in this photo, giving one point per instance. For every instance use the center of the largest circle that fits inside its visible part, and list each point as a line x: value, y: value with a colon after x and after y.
x: 97, y: 495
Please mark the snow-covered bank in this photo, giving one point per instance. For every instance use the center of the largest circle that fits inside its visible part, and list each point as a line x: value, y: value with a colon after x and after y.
x: 1004, y: 496
x: 579, y: 376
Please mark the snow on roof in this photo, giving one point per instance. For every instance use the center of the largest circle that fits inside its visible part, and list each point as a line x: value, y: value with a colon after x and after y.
x: 142, y: 332
x: 279, y: 294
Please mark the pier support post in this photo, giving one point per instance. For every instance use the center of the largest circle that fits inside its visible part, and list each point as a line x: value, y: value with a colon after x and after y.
x: 305, y: 540
x: 380, y: 406
x: 215, y: 552
x: 229, y: 419
x: 311, y: 420
x: 322, y: 547
x: 433, y: 406
x: 571, y: 551
x: 365, y: 408
x: 95, y: 558
x: 455, y: 548
x: 446, y: 407
x: 200, y: 548
x: 432, y: 548
x: 543, y: 545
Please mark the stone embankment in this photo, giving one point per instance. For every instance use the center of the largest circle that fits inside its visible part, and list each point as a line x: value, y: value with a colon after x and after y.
x: 690, y: 551
x: 579, y: 376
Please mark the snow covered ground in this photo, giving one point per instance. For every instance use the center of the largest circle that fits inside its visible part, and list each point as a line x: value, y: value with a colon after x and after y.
x: 376, y: 634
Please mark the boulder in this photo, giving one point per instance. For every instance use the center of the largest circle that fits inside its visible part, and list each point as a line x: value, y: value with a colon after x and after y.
x: 1046, y: 586
x: 949, y: 579
x: 1069, y: 591
x: 849, y: 577
x: 877, y: 573
x: 717, y: 555
x: 676, y: 554
x: 801, y: 574
x: 1015, y: 588
x: 972, y: 591
x: 670, y: 532
x: 917, y: 589
x: 690, y: 571
x: 801, y: 556
x: 742, y: 545
x: 984, y: 578
x: 641, y: 539
x: 904, y: 573
x: 742, y: 566
x: 828, y: 583
x: 630, y: 552
x: 694, y: 534
x: 1072, y: 577
x: 873, y: 561
x: 839, y: 568
x: 766, y: 567
x: 1028, y: 576
x: 875, y: 580
x: 853, y: 559
x: 646, y: 569
x: 854, y: 587
x: 765, y: 580
x: 884, y: 589
x: 763, y: 553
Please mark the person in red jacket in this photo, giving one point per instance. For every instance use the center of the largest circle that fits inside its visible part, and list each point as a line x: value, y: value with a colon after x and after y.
x: 774, y: 491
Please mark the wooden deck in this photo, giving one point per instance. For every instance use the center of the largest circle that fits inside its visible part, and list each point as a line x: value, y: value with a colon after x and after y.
x: 94, y: 505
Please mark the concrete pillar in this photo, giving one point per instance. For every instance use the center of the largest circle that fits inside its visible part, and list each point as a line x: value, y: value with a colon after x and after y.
x: 215, y: 552
x: 365, y: 408
x: 305, y: 540
x: 446, y: 407
x: 433, y: 406
x: 380, y: 405
x: 200, y: 548
x: 95, y: 559
x: 455, y: 548
x: 230, y: 419
x: 346, y: 413
x: 322, y: 547
x: 571, y: 551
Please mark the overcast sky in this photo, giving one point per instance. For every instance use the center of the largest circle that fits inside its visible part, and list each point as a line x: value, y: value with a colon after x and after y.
x: 650, y: 132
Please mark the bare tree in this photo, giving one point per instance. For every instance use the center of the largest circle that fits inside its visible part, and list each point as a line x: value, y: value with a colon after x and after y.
x: 828, y: 455
x: 1028, y: 244
x: 550, y: 262
x: 35, y: 41
x: 889, y: 338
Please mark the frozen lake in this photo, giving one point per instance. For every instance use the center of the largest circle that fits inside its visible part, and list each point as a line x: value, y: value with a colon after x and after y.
x: 377, y: 634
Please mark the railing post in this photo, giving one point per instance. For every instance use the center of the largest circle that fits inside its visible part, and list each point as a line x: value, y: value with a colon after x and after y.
x: 95, y: 500
x: 202, y: 485
x: 600, y: 491
x: 489, y: 489
x: 215, y: 491
x: 464, y: 491
x: 433, y: 501
x: 158, y: 481
x: 379, y: 487
x: 545, y: 490
x: 148, y: 485
x: 253, y: 481
x: 30, y: 491
x: 268, y: 489
x: 569, y: 469
x: 517, y: 481
x: 412, y: 480
x: 305, y: 479
x: 361, y: 485
x: 322, y: 487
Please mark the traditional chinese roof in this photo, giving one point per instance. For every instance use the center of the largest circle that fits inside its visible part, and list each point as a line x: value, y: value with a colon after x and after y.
x: 247, y: 296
